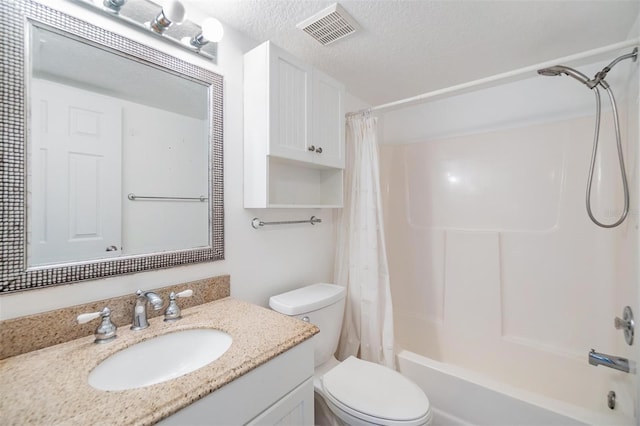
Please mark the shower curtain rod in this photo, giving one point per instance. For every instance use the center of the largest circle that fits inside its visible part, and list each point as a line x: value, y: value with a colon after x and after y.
x: 488, y: 81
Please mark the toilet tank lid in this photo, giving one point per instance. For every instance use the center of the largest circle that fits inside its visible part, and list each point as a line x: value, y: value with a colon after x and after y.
x: 307, y: 299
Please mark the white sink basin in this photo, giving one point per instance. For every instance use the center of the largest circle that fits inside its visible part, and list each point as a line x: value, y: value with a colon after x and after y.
x: 160, y: 359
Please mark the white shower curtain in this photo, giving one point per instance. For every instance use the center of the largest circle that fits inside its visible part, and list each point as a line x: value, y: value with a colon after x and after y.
x: 361, y: 258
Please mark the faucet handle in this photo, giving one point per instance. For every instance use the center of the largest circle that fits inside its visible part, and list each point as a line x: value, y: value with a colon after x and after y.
x: 185, y: 293
x: 85, y: 318
x: 106, y: 331
x: 173, y: 311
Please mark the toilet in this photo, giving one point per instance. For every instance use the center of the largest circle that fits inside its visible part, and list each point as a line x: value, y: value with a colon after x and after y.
x: 353, y: 392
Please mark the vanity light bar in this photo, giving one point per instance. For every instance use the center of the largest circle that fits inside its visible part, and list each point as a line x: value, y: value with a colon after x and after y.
x: 114, y: 5
x: 169, y: 22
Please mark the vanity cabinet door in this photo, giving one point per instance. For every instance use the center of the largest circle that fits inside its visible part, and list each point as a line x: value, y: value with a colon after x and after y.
x: 296, y: 408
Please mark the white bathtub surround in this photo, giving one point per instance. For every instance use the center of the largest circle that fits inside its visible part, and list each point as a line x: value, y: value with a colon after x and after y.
x: 361, y: 258
x: 495, y: 265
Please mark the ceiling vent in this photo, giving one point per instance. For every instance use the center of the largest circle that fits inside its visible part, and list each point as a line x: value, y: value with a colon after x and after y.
x: 329, y: 25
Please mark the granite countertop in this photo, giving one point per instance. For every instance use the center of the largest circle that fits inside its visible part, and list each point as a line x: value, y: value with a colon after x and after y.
x: 49, y: 386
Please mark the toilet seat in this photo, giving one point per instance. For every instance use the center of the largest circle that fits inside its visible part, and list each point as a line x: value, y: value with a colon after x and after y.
x: 374, y: 394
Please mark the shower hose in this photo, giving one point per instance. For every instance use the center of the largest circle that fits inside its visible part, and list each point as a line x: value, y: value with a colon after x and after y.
x: 594, y: 152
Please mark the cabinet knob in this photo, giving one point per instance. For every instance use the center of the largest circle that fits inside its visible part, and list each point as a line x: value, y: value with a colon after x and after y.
x: 312, y: 148
x: 319, y: 150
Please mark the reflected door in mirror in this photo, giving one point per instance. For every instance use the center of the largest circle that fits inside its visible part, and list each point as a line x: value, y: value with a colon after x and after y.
x: 76, y: 175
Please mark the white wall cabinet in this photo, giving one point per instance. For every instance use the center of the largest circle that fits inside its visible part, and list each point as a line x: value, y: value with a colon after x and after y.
x: 293, y: 132
x: 279, y: 392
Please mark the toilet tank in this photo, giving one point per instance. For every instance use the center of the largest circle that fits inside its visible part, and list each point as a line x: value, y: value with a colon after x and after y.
x: 323, y: 306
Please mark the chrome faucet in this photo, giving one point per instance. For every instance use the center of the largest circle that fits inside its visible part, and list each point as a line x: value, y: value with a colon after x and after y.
x: 140, y: 309
x: 611, y: 361
x: 106, y: 331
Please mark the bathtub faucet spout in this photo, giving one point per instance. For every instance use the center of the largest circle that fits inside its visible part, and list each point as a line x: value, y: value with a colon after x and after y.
x: 611, y: 361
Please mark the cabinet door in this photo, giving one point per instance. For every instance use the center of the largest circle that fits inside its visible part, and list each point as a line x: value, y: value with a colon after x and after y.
x: 294, y: 409
x: 328, y: 120
x: 290, y: 106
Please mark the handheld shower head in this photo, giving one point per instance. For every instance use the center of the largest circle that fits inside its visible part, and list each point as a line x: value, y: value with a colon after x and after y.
x: 561, y: 69
x: 551, y: 71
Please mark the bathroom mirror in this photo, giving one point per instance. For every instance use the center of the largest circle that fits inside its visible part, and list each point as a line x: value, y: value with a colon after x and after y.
x: 113, y: 155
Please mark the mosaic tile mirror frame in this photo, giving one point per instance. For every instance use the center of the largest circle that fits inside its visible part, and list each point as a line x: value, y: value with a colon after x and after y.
x: 15, y: 273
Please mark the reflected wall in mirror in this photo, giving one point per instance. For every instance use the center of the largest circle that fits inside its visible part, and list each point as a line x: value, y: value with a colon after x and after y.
x: 118, y: 165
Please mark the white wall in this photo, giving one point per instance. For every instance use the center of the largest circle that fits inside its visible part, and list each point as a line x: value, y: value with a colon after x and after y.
x: 163, y: 154
x: 261, y: 262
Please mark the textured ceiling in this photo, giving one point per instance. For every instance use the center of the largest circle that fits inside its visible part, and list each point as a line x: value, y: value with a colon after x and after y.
x: 406, y: 48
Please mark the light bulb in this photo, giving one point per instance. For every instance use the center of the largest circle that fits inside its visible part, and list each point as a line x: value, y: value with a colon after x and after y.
x: 212, y: 30
x: 172, y: 13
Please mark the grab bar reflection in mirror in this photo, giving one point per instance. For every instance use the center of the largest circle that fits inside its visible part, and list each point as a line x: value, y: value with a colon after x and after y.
x: 134, y: 197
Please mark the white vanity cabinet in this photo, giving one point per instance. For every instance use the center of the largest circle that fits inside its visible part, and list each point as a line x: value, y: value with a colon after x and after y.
x: 279, y: 392
x: 293, y: 132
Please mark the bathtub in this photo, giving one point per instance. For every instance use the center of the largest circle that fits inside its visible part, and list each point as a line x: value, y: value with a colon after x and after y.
x: 462, y: 397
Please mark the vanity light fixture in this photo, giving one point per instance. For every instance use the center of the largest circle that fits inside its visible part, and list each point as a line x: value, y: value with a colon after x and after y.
x: 113, y: 5
x: 170, y: 22
x: 172, y: 13
x: 212, y: 30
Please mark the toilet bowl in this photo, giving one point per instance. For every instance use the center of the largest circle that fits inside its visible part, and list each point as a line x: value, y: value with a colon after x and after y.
x: 356, y: 392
